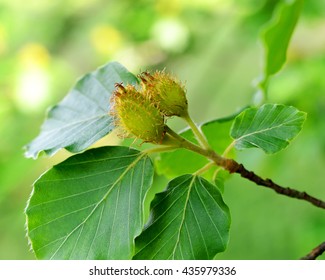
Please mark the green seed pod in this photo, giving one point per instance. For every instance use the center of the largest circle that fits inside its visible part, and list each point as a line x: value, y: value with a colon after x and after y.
x: 136, y: 115
x: 166, y: 91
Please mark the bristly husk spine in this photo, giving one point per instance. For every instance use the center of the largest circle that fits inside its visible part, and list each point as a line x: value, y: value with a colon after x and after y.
x: 135, y: 114
x: 168, y: 93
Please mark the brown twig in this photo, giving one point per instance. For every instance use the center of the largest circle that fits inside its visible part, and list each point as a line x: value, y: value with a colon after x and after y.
x: 234, y: 167
x: 316, y: 252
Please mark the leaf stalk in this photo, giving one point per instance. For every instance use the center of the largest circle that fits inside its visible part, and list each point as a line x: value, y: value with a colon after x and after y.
x: 197, y: 132
x: 234, y: 167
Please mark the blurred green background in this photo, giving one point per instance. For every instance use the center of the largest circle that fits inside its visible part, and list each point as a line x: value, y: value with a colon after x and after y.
x: 213, y: 46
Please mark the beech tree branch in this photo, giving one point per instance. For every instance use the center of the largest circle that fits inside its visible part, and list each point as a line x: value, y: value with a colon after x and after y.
x: 235, y: 167
x: 316, y: 252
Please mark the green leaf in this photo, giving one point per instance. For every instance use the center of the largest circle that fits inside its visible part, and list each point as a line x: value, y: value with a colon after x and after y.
x: 81, y: 118
x: 270, y: 127
x: 90, y: 206
x: 277, y: 34
x: 182, y: 161
x: 189, y: 220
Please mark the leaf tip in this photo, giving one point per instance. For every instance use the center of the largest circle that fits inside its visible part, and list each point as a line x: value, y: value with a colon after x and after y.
x: 28, y: 153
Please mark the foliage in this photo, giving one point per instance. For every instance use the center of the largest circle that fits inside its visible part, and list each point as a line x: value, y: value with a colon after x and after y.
x: 213, y: 50
x: 99, y: 195
x: 276, y: 36
x: 81, y: 118
x: 71, y: 204
x: 189, y: 218
x: 269, y: 127
x: 91, y: 205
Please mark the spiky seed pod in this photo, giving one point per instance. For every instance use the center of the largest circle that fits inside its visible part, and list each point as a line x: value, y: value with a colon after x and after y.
x: 166, y: 91
x: 136, y: 115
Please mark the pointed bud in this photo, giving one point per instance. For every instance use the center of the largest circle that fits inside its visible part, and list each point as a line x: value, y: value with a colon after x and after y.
x: 136, y: 115
x: 166, y: 91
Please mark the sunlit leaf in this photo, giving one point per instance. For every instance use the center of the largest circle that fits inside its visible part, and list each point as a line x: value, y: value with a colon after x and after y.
x: 90, y: 206
x: 270, y: 127
x: 276, y: 37
x: 277, y: 34
x: 81, y: 118
x: 189, y: 220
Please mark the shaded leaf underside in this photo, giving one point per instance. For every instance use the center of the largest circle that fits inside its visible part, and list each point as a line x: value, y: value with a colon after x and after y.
x: 81, y: 118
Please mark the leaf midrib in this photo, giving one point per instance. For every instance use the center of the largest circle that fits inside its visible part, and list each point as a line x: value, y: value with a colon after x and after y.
x: 75, y: 123
x: 266, y: 129
x: 183, y: 216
